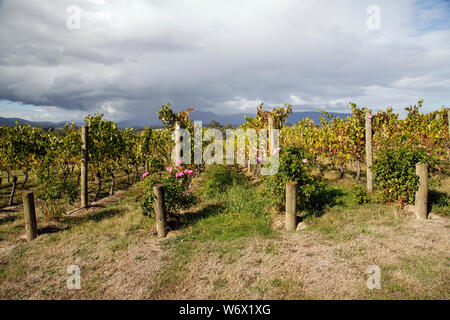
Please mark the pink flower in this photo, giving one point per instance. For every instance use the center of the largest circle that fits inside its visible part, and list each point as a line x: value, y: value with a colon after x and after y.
x: 170, y: 169
x: 179, y: 174
x: 145, y: 174
x: 370, y: 116
x: 429, y: 154
x: 259, y: 158
x: 189, y: 172
x: 305, y: 161
x: 179, y: 161
x: 275, y: 151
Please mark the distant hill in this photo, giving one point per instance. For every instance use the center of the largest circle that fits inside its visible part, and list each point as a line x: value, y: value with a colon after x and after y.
x: 43, y: 124
x: 206, y: 117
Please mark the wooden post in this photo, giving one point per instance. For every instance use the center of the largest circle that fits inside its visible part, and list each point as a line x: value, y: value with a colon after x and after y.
x: 271, y: 134
x: 160, y: 210
x: 30, y: 215
x: 84, y: 166
x: 448, y: 118
x: 291, y: 205
x: 369, y: 151
x: 421, y: 206
x: 358, y: 170
x: 253, y: 167
x: 246, y: 160
x: 13, y: 191
x: 257, y: 170
x: 178, y: 148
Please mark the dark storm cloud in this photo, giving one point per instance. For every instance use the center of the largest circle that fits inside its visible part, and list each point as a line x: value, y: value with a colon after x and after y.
x: 130, y: 57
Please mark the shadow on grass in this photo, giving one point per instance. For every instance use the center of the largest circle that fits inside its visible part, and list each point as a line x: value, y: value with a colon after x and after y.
x: 210, y: 210
x: 439, y: 202
x: 50, y: 229
x: 8, y: 218
x: 97, y: 216
x: 321, y: 200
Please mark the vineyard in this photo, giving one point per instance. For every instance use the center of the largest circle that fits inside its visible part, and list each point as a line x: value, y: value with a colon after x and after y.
x: 355, y: 189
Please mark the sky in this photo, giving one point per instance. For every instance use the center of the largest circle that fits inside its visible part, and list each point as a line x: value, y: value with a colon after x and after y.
x: 61, y: 60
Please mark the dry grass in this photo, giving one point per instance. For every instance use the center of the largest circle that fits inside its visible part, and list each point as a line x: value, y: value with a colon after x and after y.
x: 311, y: 265
x: 111, y: 243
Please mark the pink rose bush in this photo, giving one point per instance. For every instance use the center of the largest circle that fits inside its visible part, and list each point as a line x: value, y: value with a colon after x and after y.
x: 176, y: 180
x: 179, y: 174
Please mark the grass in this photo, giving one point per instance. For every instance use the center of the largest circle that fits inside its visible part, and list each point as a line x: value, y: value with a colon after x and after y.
x: 414, y: 277
x: 218, y: 226
x: 93, y: 241
x: 227, y: 247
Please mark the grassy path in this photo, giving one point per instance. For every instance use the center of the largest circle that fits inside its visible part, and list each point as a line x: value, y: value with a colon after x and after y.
x: 229, y: 246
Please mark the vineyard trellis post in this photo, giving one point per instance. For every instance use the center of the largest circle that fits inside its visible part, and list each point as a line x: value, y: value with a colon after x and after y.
x: 84, y: 166
x: 421, y: 205
x: 13, y: 191
x: 160, y: 210
x: 369, y: 151
x: 178, y: 148
x: 30, y: 215
x: 448, y: 127
x: 252, y: 164
x: 271, y: 134
x: 246, y: 163
x: 291, y: 205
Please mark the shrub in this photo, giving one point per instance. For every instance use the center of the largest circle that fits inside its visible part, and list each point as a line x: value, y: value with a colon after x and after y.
x: 217, y: 179
x: 51, y: 209
x: 294, y: 166
x: 53, y: 193
x: 395, y: 172
x: 176, y: 181
x: 156, y: 164
x: 360, y: 194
